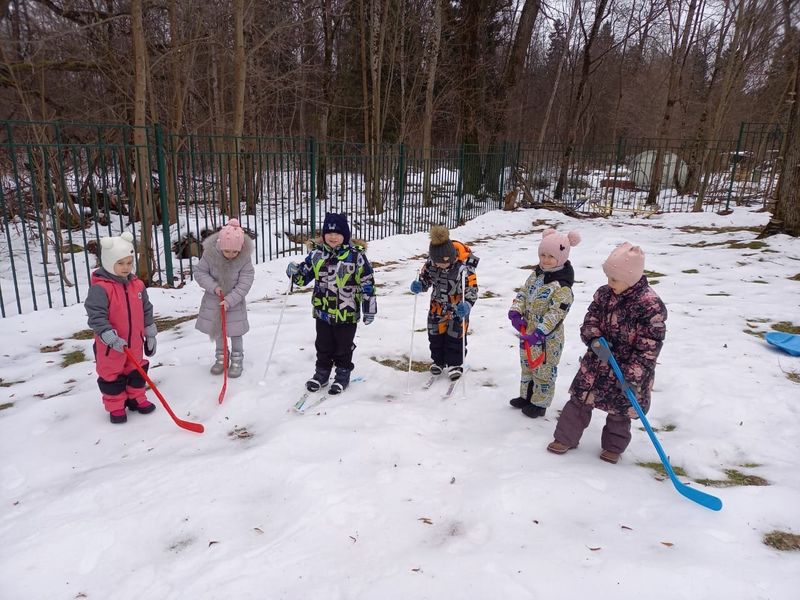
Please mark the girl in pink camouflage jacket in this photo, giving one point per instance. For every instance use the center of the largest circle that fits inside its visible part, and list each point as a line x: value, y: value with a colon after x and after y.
x: 631, y: 317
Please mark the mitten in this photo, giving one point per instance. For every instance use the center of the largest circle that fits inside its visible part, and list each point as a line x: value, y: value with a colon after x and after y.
x: 602, y: 352
x: 292, y: 269
x: 112, y: 340
x: 416, y: 286
x: 368, y: 318
x: 517, y: 320
x: 462, y: 309
x: 150, y: 339
x: 534, y: 338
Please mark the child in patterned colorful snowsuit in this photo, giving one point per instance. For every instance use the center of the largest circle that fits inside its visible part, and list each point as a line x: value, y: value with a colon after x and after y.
x: 631, y: 317
x: 344, y: 289
x: 539, y: 310
x: 226, y: 273
x: 121, y: 316
x: 448, y: 317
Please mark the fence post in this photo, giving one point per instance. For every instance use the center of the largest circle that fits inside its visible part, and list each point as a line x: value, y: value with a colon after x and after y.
x: 401, y: 188
x: 459, y: 184
x: 312, y: 165
x: 502, y: 176
x: 735, y: 163
x: 617, y: 159
x: 162, y: 197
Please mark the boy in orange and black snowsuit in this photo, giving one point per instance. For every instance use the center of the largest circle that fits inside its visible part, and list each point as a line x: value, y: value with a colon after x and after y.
x: 449, y: 262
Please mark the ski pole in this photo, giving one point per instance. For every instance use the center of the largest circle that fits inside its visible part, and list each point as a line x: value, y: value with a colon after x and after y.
x: 263, y: 380
x: 196, y: 427
x: 411, y: 346
x: 463, y: 335
x: 224, y: 348
x: 695, y: 495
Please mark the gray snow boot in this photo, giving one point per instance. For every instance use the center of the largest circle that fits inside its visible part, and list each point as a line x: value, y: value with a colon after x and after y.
x: 235, y: 369
x: 340, y: 382
x: 219, y: 366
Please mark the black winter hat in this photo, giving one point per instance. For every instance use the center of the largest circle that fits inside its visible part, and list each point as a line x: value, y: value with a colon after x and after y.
x: 336, y: 223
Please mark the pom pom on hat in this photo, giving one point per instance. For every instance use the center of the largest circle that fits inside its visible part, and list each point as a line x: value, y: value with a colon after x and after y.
x: 558, y: 245
x: 231, y: 236
x: 625, y: 264
x: 113, y: 249
x: 336, y: 223
x: 441, y: 249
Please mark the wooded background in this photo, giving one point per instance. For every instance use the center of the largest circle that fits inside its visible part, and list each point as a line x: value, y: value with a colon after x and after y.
x: 421, y: 72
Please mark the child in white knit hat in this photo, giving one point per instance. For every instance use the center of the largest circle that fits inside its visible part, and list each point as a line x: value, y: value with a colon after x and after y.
x: 121, y: 316
x: 538, y: 313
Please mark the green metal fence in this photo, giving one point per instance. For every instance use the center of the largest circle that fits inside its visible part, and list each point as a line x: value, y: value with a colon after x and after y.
x: 64, y: 185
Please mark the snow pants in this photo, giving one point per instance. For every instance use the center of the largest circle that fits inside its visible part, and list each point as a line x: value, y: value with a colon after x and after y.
x: 575, y: 418
x: 537, y: 386
x: 128, y: 384
x: 445, y: 340
x: 334, y: 345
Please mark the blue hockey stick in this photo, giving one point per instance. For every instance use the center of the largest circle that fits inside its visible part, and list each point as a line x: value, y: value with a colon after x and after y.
x: 693, y: 494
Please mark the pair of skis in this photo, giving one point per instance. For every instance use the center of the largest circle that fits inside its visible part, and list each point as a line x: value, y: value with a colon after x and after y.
x: 311, y: 400
x: 450, y: 387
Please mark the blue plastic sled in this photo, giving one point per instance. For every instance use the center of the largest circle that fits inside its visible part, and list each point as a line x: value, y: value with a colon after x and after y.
x: 788, y: 342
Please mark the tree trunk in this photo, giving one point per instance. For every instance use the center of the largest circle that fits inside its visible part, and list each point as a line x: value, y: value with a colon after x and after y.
x: 239, y: 80
x: 427, y: 123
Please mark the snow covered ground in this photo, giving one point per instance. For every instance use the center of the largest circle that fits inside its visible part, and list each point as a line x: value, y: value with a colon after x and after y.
x: 383, y: 494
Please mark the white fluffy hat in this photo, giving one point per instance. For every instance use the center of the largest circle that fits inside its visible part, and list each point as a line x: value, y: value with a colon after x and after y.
x: 115, y: 248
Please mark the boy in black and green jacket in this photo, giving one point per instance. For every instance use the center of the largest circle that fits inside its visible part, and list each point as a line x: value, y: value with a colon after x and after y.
x: 344, y: 289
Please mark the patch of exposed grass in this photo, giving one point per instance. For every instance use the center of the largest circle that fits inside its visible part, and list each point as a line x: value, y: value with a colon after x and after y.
x: 9, y: 383
x: 83, y: 334
x: 719, y: 294
x: 653, y: 274
x: 701, y: 244
x: 735, y: 479
x: 757, y: 281
x: 782, y: 540
x: 794, y: 277
x: 690, y: 271
x: 71, y: 249
x: 785, y: 327
x: 660, y: 471
x: 53, y: 348
x: 793, y: 376
x: 71, y: 358
x: 754, y: 245
x: 401, y: 364
x: 489, y: 294
x: 754, y: 333
x: 167, y: 323
x: 750, y: 465
x: 6, y: 405
x: 665, y: 429
x: 756, y: 320
x: 654, y: 281
x: 697, y: 229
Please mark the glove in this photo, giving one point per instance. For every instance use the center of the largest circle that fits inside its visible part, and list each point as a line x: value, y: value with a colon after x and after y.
x: 218, y: 291
x: 517, y: 320
x: 462, y: 310
x: 292, y: 269
x: 600, y: 350
x: 368, y: 319
x: 150, y: 339
x: 112, y: 340
x: 416, y: 286
x: 534, y: 338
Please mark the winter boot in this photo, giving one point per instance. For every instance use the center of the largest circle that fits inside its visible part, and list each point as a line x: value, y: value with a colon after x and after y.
x: 340, y: 382
x: 219, y: 366
x: 118, y: 416
x: 436, y: 369
x: 236, y: 367
x: 609, y: 457
x: 519, y: 402
x: 455, y: 372
x: 318, y: 380
x: 533, y: 411
x: 143, y: 407
x: 558, y: 448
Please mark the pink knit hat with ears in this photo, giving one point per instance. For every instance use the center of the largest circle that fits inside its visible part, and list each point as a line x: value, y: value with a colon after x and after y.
x: 625, y: 264
x: 558, y: 245
x: 231, y: 237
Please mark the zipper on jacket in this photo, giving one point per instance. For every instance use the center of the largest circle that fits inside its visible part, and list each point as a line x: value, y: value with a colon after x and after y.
x: 128, y: 303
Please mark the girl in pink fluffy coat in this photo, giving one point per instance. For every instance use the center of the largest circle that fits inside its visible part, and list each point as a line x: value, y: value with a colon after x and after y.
x: 631, y: 317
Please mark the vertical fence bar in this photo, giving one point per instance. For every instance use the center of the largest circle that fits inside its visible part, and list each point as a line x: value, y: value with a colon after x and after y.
x: 733, y: 167
x: 162, y: 197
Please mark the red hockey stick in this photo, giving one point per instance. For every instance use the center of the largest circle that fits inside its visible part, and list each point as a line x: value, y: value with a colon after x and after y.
x: 224, y: 349
x: 196, y: 427
x: 532, y: 364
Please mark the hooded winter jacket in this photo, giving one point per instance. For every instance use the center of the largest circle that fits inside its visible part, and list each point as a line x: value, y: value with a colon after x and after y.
x: 234, y: 277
